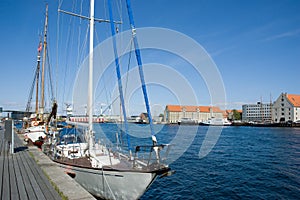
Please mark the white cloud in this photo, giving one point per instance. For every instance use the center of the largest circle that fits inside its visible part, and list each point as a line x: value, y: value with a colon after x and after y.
x: 283, y: 35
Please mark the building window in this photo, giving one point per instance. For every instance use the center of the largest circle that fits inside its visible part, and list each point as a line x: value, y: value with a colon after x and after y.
x: 282, y: 104
x: 282, y: 109
x: 282, y: 113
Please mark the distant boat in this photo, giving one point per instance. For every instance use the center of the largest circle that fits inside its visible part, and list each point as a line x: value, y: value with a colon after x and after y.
x: 187, y: 121
x: 35, y: 126
x: 216, y: 122
x: 35, y: 135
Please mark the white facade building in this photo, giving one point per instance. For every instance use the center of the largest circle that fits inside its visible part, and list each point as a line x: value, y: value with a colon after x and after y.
x: 260, y: 112
x: 286, y: 108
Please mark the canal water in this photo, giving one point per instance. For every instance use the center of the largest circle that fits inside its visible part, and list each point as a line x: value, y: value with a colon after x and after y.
x: 245, y: 163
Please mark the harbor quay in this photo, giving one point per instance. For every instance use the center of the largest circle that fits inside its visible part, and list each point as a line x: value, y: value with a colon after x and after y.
x: 26, y: 173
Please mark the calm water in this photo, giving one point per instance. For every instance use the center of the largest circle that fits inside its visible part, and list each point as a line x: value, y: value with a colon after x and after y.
x: 246, y: 162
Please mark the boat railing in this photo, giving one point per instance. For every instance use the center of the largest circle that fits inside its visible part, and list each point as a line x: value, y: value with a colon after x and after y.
x: 150, y: 155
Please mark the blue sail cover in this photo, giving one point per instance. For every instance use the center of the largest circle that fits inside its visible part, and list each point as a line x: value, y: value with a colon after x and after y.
x: 118, y: 71
x: 141, y: 72
x: 70, y: 136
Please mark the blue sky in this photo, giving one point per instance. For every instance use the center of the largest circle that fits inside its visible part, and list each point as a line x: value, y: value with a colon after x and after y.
x: 255, y: 44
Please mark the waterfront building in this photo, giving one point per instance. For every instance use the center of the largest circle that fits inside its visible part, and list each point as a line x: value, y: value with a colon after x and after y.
x: 174, y: 113
x: 286, y: 108
x: 260, y: 112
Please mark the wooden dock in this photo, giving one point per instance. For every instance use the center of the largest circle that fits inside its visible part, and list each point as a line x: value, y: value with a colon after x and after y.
x: 28, y: 173
x: 21, y: 177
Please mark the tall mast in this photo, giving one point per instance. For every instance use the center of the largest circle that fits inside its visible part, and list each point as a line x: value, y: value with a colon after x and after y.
x: 90, y: 85
x: 91, y: 58
x: 37, y: 78
x: 139, y: 61
x: 43, y: 63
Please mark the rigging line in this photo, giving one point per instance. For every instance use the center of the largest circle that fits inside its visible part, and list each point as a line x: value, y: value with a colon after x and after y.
x: 112, y: 25
x: 105, y: 81
x: 111, y: 77
x: 49, y: 66
x: 68, y: 46
x: 60, y: 3
x: 107, y: 107
x: 139, y: 61
x: 128, y: 66
x: 57, y: 44
x: 83, y: 47
x: 103, y: 175
x: 28, y: 106
x: 50, y: 77
x: 105, y: 15
x: 72, y: 46
x: 105, y: 87
x: 79, y: 34
x: 97, y: 37
x: 119, y: 8
x: 129, y: 46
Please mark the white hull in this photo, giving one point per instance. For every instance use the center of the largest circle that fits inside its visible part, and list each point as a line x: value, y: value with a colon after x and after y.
x: 34, y: 136
x: 216, y: 122
x: 35, y: 129
x: 110, y: 184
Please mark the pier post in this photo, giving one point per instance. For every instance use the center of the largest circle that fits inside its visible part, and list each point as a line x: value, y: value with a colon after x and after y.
x: 9, y: 135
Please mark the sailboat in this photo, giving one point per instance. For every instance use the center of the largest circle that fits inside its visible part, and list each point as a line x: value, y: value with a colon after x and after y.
x: 103, y: 171
x: 35, y: 130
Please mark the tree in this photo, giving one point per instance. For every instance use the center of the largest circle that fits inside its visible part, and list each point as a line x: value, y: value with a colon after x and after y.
x: 236, y: 115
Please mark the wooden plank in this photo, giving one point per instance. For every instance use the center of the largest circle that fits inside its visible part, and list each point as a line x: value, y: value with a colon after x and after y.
x: 5, y: 180
x: 43, y: 181
x: 14, y: 193
x: 1, y: 163
x: 1, y: 174
x: 26, y: 181
x: 1, y: 145
x: 19, y: 180
x: 18, y: 141
x: 2, y: 159
x: 37, y: 190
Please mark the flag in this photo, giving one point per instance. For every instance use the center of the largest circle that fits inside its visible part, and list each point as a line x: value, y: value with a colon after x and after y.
x: 40, y: 47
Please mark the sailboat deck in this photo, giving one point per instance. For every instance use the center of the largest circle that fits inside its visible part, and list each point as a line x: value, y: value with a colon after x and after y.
x: 123, y: 165
x: 83, y: 162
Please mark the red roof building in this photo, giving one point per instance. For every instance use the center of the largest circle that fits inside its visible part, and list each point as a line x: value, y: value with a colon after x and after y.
x: 174, y: 113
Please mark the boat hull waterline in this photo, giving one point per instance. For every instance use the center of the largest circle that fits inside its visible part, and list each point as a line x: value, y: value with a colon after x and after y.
x: 112, y: 184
